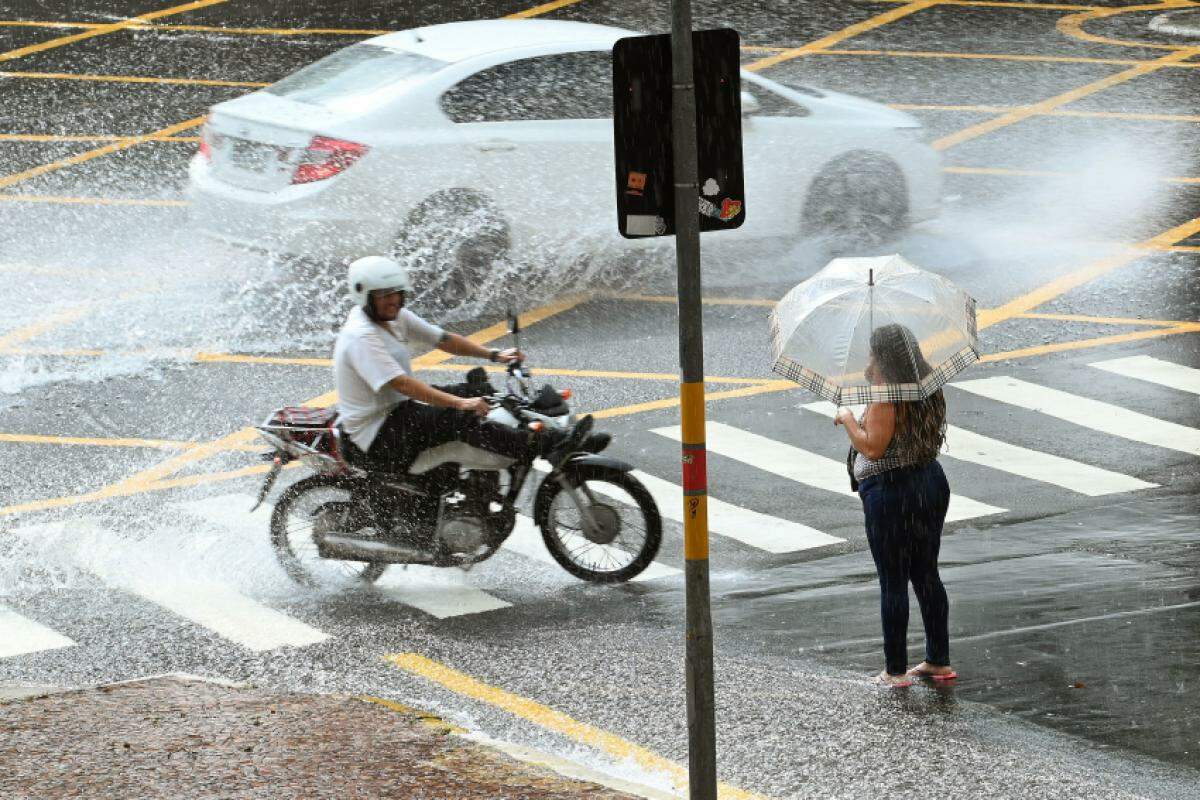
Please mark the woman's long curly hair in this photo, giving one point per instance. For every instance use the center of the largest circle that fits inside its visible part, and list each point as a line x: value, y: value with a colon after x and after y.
x: 920, y: 424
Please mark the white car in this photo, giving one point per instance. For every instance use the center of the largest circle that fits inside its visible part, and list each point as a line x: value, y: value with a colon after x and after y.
x: 459, y: 141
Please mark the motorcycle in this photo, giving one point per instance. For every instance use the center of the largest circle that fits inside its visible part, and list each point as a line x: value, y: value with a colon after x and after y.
x: 456, y: 505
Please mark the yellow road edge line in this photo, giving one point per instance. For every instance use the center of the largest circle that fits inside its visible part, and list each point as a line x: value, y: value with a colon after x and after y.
x: 985, y: 56
x: 1162, y: 323
x: 1052, y: 103
x: 28, y: 438
x: 74, y: 76
x: 89, y: 201
x: 544, y: 8
x: 107, y: 28
x: 1082, y: 344
x: 1072, y: 25
x: 156, y: 477
x: 600, y: 373
x: 670, y: 299
x: 35, y: 329
x: 1120, y: 115
x: 10, y: 180
x: 1059, y: 286
x: 672, y: 402
x: 849, y: 32
x: 426, y: 718
x: 552, y: 720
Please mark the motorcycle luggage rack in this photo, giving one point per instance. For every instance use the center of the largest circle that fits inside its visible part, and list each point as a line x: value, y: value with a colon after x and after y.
x: 316, y: 445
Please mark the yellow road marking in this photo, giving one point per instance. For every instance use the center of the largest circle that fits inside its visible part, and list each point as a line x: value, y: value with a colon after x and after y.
x: 71, y: 76
x: 1081, y: 344
x: 826, y: 42
x: 21, y: 23
x: 1072, y: 25
x: 670, y: 299
x: 96, y: 137
x: 87, y: 201
x: 553, y: 720
x: 1180, y: 248
x: 1106, y: 320
x: 1119, y: 115
x: 1035, y: 109
x: 773, y: 385
x: 1039, y: 173
x: 267, y: 31
x: 36, y: 329
x: 98, y: 152
x: 988, y: 56
x: 1059, y: 286
x: 107, y: 28
x: 1017, y: 6
x: 159, y: 444
x: 544, y: 8
x: 600, y: 373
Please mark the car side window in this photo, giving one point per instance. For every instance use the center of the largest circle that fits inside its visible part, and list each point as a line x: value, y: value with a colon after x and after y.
x: 771, y: 104
x: 556, y: 87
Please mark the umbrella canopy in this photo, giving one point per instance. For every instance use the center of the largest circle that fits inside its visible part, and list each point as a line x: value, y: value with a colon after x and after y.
x: 920, y: 327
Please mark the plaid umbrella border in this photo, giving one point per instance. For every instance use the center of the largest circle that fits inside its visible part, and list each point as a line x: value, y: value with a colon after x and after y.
x: 887, y: 393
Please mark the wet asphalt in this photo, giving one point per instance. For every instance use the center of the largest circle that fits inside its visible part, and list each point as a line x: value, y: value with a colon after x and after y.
x: 1074, y: 619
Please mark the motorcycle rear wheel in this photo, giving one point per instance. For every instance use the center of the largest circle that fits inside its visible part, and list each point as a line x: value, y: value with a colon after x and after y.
x: 628, y: 529
x: 304, y: 509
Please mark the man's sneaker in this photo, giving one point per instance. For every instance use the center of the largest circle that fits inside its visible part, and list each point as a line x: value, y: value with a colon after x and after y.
x: 570, y: 443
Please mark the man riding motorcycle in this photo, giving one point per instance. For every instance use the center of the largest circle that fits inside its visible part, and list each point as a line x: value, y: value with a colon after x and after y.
x: 390, y: 416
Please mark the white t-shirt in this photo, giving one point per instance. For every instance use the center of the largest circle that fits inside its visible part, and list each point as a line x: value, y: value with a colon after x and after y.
x: 366, y: 357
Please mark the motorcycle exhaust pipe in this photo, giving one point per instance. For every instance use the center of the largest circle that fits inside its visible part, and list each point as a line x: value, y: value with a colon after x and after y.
x: 347, y: 548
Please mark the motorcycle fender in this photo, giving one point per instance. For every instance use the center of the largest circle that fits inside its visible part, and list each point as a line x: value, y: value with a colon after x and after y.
x: 541, y: 503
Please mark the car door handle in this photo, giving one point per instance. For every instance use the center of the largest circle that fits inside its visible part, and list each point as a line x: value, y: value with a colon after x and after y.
x: 496, y: 146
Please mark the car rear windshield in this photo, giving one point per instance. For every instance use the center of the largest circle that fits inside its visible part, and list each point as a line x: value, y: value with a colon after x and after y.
x: 349, y: 75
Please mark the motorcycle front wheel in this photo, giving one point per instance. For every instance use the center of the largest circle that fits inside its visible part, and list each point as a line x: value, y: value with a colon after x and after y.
x: 620, y: 534
x: 306, y: 511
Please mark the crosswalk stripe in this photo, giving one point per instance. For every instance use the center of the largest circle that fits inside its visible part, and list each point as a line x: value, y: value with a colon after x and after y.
x: 1086, y: 412
x: 526, y: 540
x: 430, y: 589
x: 20, y: 635
x: 803, y: 466
x: 207, y: 603
x: 1154, y: 370
x: 966, y: 445
x: 760, y: 531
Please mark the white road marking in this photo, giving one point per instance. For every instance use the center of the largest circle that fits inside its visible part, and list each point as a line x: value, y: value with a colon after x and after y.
x: 760, y: 531
x: 969, y: 446
x: 1154, y: 370
x: 803, y: 466
x: 436, y: 591
x: 1086, y: 412
x: 20, y: 635
x: 210, y: 604
x: 526, y: 540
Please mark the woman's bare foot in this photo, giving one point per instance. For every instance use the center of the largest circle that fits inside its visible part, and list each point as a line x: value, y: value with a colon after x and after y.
x: 937, y: 672
x: 885, y: 678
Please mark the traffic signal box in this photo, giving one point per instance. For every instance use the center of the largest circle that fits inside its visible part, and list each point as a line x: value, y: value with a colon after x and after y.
x: 642, y: 133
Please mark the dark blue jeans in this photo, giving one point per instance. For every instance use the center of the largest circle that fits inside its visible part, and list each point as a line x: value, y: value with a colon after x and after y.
x: 905, y: 510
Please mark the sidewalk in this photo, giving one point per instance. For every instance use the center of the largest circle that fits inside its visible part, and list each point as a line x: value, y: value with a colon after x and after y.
x: 184, y: 737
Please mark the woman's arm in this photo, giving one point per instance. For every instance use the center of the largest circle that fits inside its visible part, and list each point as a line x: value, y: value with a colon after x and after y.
x: 875, y: 434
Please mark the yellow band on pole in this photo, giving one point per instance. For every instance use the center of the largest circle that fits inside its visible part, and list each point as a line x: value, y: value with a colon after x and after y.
x: 695, y: 472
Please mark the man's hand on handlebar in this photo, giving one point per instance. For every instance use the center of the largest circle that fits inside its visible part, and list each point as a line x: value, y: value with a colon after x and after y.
x: 474, y: 405
x: 510, y: 355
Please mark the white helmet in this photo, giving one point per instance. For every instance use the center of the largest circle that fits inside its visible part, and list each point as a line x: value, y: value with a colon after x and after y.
x: 376, y: 272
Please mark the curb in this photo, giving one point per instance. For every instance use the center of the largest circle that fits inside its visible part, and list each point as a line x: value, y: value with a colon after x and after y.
x: 561, y: 766
x: 528, y: 755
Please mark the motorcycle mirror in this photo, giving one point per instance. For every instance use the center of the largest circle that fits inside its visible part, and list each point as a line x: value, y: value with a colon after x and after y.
x: 514, y: 327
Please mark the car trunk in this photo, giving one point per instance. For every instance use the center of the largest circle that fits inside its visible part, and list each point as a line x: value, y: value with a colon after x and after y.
x: 257, y: 141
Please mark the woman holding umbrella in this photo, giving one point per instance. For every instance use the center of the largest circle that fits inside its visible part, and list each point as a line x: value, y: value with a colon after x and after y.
x: 905, y: 496
x: 883, y: 332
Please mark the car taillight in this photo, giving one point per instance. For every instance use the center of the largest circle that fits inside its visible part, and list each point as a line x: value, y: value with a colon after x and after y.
x: 326, y: 157
x: 205, y: 143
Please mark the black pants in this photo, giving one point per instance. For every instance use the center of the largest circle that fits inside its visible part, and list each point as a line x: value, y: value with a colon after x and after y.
x: 413, y: 427
x: 905, y: 510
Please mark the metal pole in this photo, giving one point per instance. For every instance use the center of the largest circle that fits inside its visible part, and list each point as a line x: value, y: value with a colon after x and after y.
x: 702, y: 740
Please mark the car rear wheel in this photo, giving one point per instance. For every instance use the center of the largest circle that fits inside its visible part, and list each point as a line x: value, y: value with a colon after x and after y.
x: 857, y: 203
x: 454, y: 242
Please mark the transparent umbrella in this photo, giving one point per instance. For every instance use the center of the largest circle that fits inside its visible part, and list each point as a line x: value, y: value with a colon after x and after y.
x: 920, y: 327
